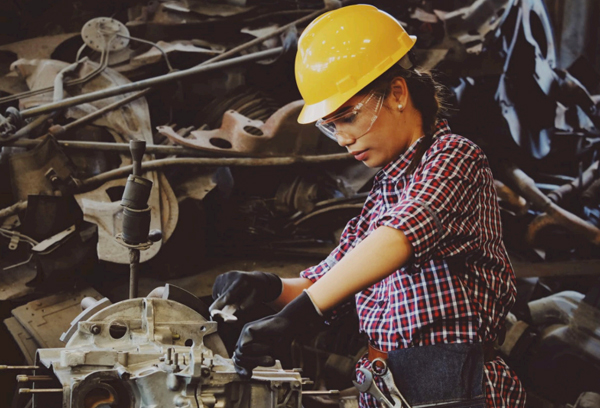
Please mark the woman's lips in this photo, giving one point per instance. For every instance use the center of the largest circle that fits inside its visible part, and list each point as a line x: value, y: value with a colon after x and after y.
x: 360, y: 156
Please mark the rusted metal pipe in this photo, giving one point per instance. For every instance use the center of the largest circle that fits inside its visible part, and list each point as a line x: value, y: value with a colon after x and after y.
x: 12, y: 210
x: 107, y: 108
x: 579, y: 184
x: 552, y: 213
x: 147, y: 83
x: 9, y: 367
x: 113, y: 147
x: 512, y: 201
x: 152, y: 165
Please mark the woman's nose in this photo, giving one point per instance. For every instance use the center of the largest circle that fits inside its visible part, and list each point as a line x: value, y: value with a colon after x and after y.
x: 344, y: 139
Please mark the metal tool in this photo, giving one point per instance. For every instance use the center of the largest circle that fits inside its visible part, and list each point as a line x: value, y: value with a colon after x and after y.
x: 369, y: 386
x: 380, y: 369
x: 227, y: 313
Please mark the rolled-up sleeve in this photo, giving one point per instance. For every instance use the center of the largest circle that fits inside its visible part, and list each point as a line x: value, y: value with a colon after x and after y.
x: 438, y: 209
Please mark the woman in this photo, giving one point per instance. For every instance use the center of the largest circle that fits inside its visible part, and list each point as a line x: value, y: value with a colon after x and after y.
x: 424, y: 259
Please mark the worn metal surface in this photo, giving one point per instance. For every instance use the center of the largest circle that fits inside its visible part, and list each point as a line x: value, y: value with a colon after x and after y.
x: 158, y: 352
x: 127, y: 122
x: 39, y: 48
x: 14, y: 280
x: 28, y: 169
x: 551, y: 214
x: 135, y: 86
x: 46, y: 318
x: 23, y: 338
x: 154, y: 55
x: 279, y: 135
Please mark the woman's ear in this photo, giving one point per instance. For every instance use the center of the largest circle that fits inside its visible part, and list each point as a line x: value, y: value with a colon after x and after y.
x: 399, y: 92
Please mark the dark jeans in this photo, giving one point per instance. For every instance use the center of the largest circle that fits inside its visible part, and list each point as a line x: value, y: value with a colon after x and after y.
x: 444, y: 375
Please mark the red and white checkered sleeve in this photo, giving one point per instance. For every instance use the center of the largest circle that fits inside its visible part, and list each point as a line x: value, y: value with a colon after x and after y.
x: 437, y: 210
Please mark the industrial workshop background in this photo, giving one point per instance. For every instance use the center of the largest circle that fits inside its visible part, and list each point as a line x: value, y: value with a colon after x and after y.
x: 204, y: 93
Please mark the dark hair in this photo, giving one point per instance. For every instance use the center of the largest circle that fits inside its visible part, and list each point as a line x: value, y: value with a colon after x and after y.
x: 427, y: 96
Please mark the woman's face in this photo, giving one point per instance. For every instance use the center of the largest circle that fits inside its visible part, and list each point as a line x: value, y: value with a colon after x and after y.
x: 392, y: 133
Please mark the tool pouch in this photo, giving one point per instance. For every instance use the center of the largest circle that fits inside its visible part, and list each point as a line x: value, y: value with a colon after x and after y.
x: 444, y: 375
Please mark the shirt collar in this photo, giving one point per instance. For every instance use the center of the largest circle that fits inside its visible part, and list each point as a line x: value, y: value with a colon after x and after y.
x: 396, y: 168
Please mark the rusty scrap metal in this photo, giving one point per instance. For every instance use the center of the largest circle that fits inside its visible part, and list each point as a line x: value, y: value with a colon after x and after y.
x: 280, y: 30
x: 8, y: 367
x: 27, y: 378
x: 552, y: 213
x: 33, y: 92
x: 164, y: 48
x: 579, y: 184
x: 152, y: 165
x: 206, y: 66
x: 107, y: 108
x: 110, y: 147
x: 243, y: 136
x: 162, y: 79
x: 13, y: 209
x: 511, y: 200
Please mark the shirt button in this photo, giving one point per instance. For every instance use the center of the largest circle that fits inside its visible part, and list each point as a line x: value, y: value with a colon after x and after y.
x: 381, y: 302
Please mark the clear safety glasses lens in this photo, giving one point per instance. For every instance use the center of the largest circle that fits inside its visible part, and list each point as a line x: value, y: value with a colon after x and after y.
x: 353, y: 121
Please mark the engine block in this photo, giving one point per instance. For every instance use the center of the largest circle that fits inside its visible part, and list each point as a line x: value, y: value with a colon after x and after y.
x: 144, y: 353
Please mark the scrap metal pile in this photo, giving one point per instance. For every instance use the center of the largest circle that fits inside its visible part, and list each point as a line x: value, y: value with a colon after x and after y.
x: 209, y: 87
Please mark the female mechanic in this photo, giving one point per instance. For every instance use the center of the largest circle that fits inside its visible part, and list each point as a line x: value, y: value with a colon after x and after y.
x: 424, y: 259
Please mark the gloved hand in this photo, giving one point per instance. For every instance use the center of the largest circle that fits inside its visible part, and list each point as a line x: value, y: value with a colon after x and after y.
x: 245, y: 289
x: 259, y: 338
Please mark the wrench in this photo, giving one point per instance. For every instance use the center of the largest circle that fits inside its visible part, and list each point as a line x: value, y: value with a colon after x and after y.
x: 369, y: 386
x: 380, y: 369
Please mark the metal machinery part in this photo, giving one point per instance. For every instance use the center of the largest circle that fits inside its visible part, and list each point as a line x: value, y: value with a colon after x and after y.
x: 155, y: 353
x: 94, y: 32
x: 557, y: 348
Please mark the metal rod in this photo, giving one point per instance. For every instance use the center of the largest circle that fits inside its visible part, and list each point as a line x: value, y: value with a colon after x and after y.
x: 7, y: 367
x: 135, y: 86
x: 324, y: 392
x: 7, y: 212
x: 27, y: 378
x: 38, y: 390
x: 29, y: 127
x: 107, y: 108
x: 159, y: 48
x: 152, y: 165
x: 134, y: 266
x: 113, y: 147
x: 259, y: 40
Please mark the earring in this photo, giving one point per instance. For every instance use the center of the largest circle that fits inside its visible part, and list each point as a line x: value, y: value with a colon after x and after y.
x: 400, y: 107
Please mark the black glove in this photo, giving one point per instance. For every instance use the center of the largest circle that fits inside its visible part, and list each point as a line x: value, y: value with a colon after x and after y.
x: 245, y: 289
x: 259, y: 338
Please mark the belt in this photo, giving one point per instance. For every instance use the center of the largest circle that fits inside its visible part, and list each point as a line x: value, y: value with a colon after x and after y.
x: 489, y: 352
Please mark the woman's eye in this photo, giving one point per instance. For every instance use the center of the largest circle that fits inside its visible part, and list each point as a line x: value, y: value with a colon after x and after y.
x: 348, y: 119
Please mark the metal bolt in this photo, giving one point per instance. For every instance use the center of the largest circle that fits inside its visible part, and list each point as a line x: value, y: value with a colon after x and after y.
x: 95, y: 329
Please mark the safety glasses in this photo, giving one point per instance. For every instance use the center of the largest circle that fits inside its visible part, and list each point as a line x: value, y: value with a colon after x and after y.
x: 353, y: 121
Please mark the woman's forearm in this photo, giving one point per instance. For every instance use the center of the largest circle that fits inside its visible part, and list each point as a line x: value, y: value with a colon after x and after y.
x: 291, y: 289
x: 377, y: 256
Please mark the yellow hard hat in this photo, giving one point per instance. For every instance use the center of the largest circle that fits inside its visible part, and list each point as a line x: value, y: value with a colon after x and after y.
x: 341, y: 52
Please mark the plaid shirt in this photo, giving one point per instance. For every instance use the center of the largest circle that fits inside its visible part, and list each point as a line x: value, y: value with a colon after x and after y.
x: 448, y: 211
